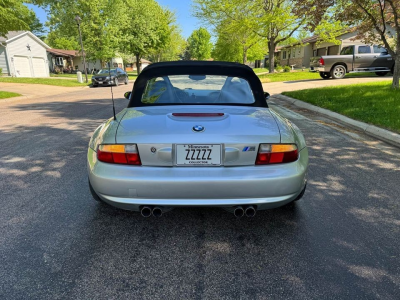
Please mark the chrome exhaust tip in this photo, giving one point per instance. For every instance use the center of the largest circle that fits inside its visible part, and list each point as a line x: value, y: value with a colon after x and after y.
x: 238, y: 212
x: 250, y: 211
x: 157, y: 211
x: 146, y: 211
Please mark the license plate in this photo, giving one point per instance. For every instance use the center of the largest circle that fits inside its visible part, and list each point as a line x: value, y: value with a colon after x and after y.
x: 100, y: 82
x: 198, y: 155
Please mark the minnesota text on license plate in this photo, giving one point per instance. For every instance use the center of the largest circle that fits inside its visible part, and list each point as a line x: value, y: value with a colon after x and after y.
x: 198, y: 155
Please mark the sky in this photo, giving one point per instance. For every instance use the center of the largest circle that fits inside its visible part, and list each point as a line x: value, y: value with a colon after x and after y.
x: 182, y: 9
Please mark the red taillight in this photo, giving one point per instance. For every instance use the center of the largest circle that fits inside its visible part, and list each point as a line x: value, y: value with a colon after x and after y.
x: 198, y: 114
x: 321, y: 62
x: 276, y: 154
x: 119, y: 154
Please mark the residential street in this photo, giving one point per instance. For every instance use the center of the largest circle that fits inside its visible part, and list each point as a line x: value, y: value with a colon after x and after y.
x: 341, y: 241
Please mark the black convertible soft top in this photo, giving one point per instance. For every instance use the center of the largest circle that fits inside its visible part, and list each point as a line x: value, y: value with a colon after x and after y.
x: 197, y: 68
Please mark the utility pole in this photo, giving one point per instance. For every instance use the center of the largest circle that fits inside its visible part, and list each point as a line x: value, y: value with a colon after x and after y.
x: 78, y: 21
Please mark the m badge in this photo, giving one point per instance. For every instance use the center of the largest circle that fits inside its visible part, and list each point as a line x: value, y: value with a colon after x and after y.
x: 249, y: 148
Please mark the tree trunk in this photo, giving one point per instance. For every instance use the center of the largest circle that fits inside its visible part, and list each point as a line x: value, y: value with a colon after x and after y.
x: 396, y: 73
x: 244, y: 55
x: 138, y: 64
x: 271, y: 56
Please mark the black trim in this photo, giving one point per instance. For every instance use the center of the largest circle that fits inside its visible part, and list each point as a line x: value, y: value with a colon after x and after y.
x: 197, y: 68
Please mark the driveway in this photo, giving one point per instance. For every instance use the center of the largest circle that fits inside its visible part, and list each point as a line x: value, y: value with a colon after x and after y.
x: 340, y: 242
x: 286, y: 86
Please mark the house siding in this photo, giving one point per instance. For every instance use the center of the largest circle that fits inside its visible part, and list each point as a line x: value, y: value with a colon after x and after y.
x: 18, y: 47
x: 3, y: 60
x: 78, y: 64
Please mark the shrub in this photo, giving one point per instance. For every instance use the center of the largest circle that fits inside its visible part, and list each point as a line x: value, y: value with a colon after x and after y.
x: 279, y: 68
x: 1, y: 72
x: 287, y: 69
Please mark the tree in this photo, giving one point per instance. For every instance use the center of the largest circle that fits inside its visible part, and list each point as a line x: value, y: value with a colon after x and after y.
x: 145, y: 27
x: 100, y: 25
x: 173, y: 49
x: 227, y: 48
x: 35, y: 26
x: 274, y: 20
x: 199, y: 44
x: 238, y: 44
x: 55, y: 40
x: 14, y: 15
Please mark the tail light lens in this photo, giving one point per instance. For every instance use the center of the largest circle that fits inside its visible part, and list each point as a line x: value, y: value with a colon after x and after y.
x: 276, y: 154
x: 321, y: 62
x: 119, y: 154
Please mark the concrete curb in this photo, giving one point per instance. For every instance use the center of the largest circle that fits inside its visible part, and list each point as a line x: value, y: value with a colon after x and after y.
x: 377, y: 132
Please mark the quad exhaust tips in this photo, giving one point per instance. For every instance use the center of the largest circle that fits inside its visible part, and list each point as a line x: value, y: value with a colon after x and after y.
x: 147, y: 211
x: 249, y: 211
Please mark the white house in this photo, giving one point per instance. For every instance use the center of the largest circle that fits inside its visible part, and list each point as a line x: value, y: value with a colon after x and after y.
x: 22, y: 54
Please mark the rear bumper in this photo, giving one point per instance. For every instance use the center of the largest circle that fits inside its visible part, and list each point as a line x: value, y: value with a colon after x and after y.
x: 317, y: 69
x: 130, y: 187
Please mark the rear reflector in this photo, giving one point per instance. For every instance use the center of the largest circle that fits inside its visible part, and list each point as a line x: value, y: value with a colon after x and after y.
x: 198, y: 114
x: 119, y: 154
x: 276, y: 154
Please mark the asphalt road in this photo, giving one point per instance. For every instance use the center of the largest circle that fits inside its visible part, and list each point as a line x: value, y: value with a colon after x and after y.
x: 341, y: 241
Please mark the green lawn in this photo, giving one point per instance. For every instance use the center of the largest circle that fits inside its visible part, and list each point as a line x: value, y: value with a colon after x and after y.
x: 304, y: 75
x: 4, y: 95
x: 373, y: 103
x: 260, y: 70
x: 66, y: 75
x: 289, y: 76
x: 47, y: 81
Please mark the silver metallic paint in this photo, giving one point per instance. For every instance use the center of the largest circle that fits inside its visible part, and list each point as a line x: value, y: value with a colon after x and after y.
x: 158, y: 182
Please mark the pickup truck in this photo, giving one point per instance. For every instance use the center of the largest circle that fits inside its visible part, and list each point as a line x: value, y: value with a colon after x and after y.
x: 354, y: 59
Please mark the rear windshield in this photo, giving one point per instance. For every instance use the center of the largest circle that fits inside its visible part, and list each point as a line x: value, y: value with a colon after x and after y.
x: 198, y: 89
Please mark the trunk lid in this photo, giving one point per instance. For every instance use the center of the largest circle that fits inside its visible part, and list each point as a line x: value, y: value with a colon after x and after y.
x: 160, y: 129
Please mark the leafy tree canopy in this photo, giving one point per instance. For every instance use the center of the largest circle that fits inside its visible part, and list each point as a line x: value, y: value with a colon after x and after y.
x: 199, y: 44
x: 14, y: 15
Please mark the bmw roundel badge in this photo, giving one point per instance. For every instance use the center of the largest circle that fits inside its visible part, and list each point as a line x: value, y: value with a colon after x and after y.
x: 198, y: 128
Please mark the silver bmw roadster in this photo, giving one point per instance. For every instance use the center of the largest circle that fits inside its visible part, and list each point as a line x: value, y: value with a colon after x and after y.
x: 197, y: 134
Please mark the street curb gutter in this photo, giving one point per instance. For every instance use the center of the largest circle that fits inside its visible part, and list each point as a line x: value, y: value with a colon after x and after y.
x: 377, y: 132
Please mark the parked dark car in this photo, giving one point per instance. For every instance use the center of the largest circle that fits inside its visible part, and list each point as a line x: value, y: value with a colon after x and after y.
x: 110, y: 77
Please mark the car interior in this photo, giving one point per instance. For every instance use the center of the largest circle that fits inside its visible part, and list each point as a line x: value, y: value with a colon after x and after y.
x: 200, y: 89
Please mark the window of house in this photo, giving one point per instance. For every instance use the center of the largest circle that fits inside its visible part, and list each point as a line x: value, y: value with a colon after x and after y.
x: 284, y: 55
x: 59, y: 61
x: 294, y: 52
x: 314, y: 53
x: 364, y: 49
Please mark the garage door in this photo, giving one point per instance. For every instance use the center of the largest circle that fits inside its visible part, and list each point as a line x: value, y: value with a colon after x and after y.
x: 39, y: 67
x: 22, y: 67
